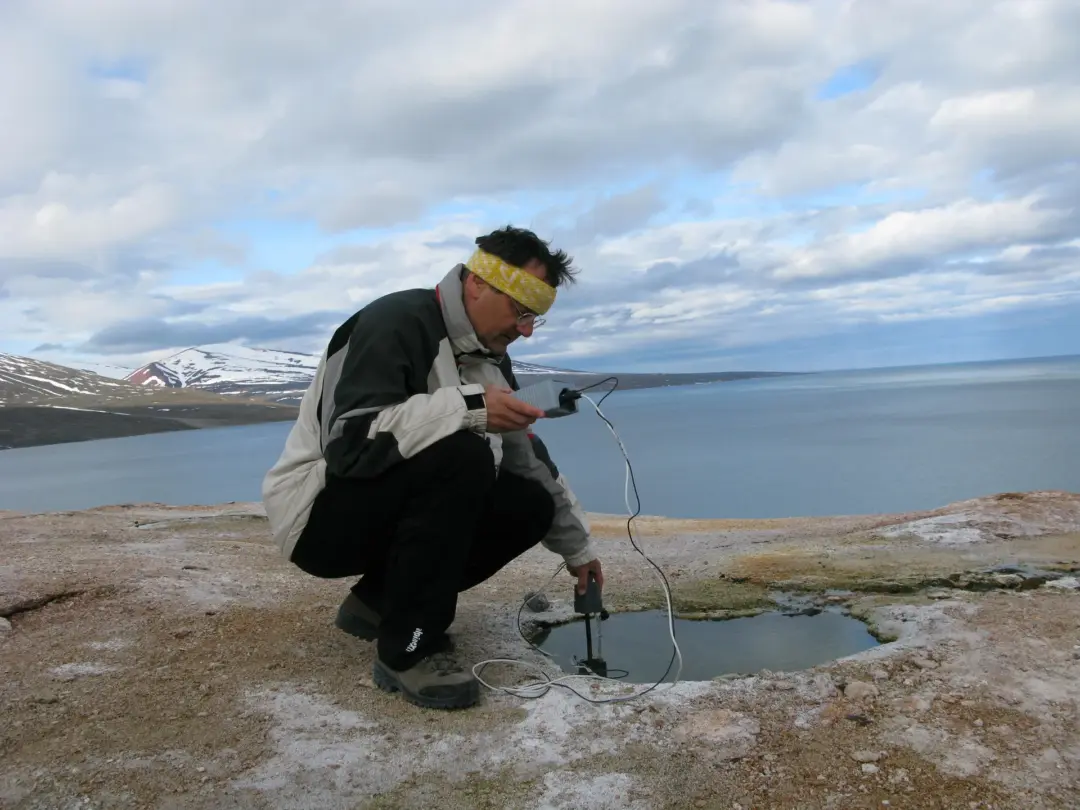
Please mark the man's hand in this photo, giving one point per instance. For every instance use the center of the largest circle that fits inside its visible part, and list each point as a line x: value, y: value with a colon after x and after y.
x: 582, y: 574
x: 507, y: 413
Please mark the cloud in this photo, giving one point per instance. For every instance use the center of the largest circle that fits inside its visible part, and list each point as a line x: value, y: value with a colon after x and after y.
x: 391, y: 123
x: 147, y: 334
x: 905, y: 241
x: 68, y: 217
x: 615, y: 214
x: 728, y: 176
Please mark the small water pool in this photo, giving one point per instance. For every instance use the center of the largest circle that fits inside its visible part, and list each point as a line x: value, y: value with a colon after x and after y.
x: 636, y: 646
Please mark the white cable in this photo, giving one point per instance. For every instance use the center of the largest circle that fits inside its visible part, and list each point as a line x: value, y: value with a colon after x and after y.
x: 631, y: 512
x: 538, y: 688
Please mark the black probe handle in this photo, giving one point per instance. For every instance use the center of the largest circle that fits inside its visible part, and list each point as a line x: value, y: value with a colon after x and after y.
x: 590, y: 601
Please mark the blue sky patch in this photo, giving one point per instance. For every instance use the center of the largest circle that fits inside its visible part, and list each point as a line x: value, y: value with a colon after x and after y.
x: 128, y: 68
x: 847, y: 80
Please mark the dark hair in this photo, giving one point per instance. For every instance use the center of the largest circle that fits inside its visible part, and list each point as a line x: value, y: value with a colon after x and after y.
x: 517, y: 247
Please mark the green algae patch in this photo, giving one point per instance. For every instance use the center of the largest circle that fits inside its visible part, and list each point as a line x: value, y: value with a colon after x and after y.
x: 713, y: 596
x: 854, y: 569
x: 865, y: 609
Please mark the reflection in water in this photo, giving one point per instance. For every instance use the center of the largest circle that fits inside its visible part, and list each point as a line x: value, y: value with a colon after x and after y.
x: 637, y: 647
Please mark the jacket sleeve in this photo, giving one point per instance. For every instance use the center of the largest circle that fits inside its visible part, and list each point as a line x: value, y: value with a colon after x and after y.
x: 526, y: 455
x: 569, y: 533
x: 379, y: 410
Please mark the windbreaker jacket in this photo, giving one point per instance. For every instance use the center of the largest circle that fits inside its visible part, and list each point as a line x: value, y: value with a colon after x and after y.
x: 402, y: 373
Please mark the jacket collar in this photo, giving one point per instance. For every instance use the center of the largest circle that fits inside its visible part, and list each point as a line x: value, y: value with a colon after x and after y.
x: 459, y: 328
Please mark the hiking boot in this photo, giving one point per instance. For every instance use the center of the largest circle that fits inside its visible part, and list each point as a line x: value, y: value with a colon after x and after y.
x: 437, y: 681
x: 361, y: 621
x: 357, y: 619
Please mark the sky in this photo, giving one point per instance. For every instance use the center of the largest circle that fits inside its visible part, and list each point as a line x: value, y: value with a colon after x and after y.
x: 802, y: 185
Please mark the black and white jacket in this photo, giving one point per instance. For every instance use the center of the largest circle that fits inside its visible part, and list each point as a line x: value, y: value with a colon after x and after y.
x: 400, y: 374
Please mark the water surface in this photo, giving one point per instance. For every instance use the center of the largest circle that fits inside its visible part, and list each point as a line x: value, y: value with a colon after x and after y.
x: 853, y: 442
x: 639, y: 644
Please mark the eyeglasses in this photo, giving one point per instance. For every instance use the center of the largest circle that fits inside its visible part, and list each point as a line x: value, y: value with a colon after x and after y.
x: 524, y: 317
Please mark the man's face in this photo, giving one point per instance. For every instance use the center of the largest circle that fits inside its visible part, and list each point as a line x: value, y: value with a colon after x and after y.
x: 496, y: 317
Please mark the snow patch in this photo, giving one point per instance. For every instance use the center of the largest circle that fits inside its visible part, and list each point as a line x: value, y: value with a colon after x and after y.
x: 565, y: 790
x: 55, y: 383
x: 993, y: 518
x: 946, y: 530
x: 69, y: 672
x: 225, y: 363
x: 1064, y: 584
x: 319, y: 747
x: 205, y: 589
x: 33, y: 380
x: 560, y: 728
x: 327, y: 756
x: 86, y: 410
x: 531, y: 368
x: 957, y: 756
x: 230, y: 369
x: 112, y: 645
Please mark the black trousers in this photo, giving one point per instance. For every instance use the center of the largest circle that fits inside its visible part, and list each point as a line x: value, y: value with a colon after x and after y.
x: 432, y: 526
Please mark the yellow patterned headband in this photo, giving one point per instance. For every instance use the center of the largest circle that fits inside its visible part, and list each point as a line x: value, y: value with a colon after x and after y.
x: 525, y: 288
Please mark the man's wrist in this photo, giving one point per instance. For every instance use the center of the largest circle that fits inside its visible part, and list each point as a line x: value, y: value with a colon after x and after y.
x: 475, y: 408
x: 583, y: 557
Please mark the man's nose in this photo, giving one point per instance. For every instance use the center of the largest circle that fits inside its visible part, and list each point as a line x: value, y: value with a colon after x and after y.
x: 525, y: 328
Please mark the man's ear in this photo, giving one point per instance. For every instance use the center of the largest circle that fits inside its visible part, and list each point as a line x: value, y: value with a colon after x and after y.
x: 472, y: 285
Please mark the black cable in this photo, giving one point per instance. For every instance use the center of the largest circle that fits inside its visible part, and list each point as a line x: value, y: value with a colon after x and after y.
x: 601, y: 382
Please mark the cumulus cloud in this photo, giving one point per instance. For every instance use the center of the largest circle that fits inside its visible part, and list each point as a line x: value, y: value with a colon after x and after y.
x: 908, y: 241
x: 716, y: 197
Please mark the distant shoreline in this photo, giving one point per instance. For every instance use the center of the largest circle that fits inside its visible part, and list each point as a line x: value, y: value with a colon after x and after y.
x: 648, y: 379
x: 60, y: 423
x: 24, y: 426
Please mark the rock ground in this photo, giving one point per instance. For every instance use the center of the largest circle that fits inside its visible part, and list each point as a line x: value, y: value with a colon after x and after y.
x: 168, y: 658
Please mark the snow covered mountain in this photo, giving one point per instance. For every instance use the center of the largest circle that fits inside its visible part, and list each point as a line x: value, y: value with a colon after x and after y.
x: 283, y: 376
x: 280, y: 376
x: 533, y: 370
x: 26, y: 381
x: 104, y: 369
x: 229, y: 369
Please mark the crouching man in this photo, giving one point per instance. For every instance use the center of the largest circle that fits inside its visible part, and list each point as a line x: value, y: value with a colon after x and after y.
x: 412, y: 466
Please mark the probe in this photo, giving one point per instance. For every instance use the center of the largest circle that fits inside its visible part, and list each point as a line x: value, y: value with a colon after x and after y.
x: 550, y: 397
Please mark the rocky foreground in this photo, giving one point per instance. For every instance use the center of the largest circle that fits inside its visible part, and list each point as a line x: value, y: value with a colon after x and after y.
x: 168, y: 658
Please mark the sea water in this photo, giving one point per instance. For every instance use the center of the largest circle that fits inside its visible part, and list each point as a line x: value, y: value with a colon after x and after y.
x: 853, y: 442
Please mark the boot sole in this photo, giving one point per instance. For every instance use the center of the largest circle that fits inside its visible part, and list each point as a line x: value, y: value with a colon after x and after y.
x: 386, y: 680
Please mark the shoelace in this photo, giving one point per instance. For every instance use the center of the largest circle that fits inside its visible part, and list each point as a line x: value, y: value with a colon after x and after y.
x: 444, y: 663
